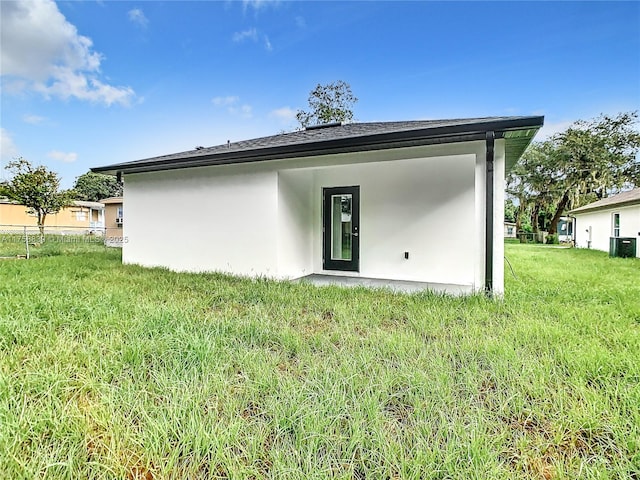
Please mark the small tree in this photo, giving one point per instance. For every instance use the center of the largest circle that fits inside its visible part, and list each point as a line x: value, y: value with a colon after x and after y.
x: 38, y: 189
x: 332, y: 102
x: 94, y: 186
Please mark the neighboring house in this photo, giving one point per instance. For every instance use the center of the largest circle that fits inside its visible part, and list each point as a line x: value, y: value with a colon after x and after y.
x: 113, y: 215
x: 80, y: 218
x: 510, y: 230
x: 616, y: 216
x: 565, y: 229
x: 393, y: 200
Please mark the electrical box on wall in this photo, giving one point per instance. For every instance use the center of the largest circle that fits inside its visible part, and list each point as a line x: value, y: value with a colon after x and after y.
x: 406, y: 255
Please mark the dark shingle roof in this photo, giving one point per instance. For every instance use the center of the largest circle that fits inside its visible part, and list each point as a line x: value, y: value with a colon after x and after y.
x: 353, y: 137
x: 632, y: 197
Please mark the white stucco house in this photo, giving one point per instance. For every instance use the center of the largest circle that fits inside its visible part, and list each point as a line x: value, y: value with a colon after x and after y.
x: 417, y: 201
x: 615, y: 216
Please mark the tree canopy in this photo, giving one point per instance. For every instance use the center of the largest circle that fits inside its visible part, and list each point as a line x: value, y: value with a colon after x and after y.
x: 328, y: 103
x: 589, y: 161
x: 37, y: 188
x: 94, y: 187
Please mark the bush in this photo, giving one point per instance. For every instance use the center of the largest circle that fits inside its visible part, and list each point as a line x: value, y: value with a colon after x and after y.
x: 552, y: 239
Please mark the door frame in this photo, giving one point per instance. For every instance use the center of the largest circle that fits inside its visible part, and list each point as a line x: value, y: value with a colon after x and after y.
x: 328, y: 263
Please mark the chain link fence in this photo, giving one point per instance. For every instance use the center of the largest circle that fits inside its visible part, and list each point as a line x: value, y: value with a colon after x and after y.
x: 26, y: 241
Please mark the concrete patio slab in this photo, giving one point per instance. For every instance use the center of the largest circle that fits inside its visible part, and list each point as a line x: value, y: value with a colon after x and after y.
x: 402, y: 286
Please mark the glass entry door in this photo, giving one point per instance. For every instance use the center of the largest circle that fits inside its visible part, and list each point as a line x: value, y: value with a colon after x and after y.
x: 341, y: 228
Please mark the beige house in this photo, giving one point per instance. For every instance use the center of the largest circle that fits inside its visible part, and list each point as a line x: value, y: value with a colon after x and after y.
x: 510, y: 230
x: 113, y: 221
x: 80, y: 218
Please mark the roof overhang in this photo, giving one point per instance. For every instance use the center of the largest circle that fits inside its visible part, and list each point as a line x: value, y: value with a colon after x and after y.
x: 516, y: 131
x: 623, y: 199
x: 610, y: 206
x: 111, y: 200
x: 83, y: 203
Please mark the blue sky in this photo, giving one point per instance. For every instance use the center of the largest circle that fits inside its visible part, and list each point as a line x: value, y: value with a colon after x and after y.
x: 92, y: 83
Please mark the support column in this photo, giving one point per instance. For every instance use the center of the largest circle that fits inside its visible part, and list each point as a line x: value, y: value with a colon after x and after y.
x: 489, y: 187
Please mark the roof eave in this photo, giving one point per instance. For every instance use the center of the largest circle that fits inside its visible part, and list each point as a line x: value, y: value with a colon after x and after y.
x: 518, y: 133
x: 275, y: 153
x: 84, y: 203
x: 628, y: 203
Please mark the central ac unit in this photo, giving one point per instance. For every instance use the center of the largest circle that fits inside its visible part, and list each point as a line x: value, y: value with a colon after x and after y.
x: 623, y: 247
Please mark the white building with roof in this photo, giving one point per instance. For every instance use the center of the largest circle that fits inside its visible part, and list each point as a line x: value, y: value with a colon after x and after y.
x: 617, y: 216
x: 416, y: 201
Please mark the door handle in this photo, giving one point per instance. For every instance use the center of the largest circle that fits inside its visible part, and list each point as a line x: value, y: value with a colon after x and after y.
x: 354, y: 234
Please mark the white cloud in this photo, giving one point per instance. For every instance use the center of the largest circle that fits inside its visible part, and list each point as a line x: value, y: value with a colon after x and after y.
x: 33, y: 119
x: 250, y: 34
x: 136, y: 15
x: 224, y: 101
x: 258, y: 5
x: 232, y: 104
x: 69, y: 84
x: 8, y: 149
x: 43, y: 52
x: 286, y: 114
x: 244, y: 111
x: 62, y: 156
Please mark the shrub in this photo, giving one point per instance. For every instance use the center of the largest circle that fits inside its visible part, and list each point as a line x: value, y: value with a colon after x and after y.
x: 552, y: 239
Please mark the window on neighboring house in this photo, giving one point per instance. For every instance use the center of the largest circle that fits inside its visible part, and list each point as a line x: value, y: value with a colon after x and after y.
x: 81, y: 215
x: 616, y: 224
x: 119, y: 220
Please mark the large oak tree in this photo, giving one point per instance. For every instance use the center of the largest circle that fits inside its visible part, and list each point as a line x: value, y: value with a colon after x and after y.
x: 589, y: 161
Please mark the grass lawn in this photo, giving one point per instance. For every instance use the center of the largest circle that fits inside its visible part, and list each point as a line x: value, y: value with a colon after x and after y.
x: 13, y: 245
x: 112, y: 371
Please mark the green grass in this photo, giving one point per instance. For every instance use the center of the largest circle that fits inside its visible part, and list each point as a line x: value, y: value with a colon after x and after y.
x: 112, y: 371
x: 13, y: 245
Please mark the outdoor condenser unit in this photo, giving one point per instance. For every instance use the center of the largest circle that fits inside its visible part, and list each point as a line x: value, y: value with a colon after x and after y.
x: 622, y: 247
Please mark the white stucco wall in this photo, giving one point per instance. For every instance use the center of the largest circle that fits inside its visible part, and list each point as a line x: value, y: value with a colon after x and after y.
x: 266, y: 218
x: 499, y: 185
x: 203, y: 219
x: 601, y: 224
x: 423, y: 206
x: 295, y: 223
